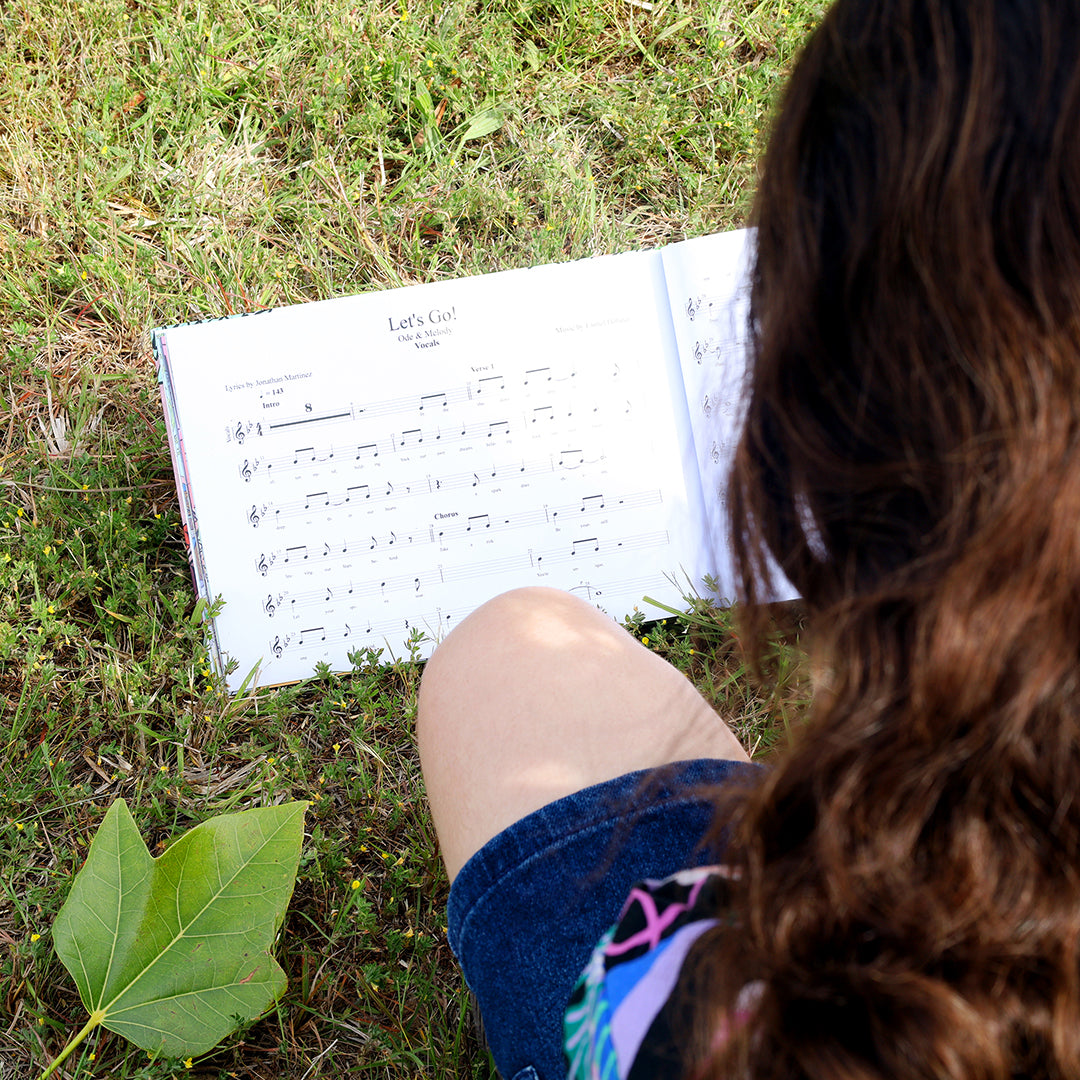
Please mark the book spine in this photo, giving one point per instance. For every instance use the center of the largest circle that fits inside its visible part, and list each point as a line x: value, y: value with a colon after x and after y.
x: 188, y: 518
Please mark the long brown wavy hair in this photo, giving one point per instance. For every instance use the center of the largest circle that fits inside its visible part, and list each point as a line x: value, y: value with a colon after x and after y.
x: 909, y: 891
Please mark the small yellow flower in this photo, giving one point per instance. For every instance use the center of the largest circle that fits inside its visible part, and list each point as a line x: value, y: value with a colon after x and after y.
x: 355, y: 884
x: 188, y: 1063
x: 51, y: 610
x: 20, y: 826
x: 337, y: 747
x: 35, y: 937
x: 163, y: 768
x: 645, y: 640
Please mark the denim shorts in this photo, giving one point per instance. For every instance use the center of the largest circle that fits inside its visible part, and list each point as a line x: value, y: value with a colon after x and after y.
x: 527, y: 909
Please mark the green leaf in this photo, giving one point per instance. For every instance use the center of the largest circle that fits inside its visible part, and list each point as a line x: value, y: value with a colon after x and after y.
x: 482, y: 123
x: 173, y: 953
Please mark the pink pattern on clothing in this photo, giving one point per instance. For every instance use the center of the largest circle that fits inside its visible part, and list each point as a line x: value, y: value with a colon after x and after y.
x: 655, y: 923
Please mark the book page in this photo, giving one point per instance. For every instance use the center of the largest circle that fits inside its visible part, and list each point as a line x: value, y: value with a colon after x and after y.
x: 366, y: 468
x: 709, y: 290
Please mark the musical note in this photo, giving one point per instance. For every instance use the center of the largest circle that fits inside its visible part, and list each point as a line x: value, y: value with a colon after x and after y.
x: 589, y: 502
x: 594, y: 540
x: 357, y: 488
x: 475, y: 519
x: 544, y: 412
x: 432, y: 399
x: 418, y: 432
x: 361, y: 450
x: 320, y: 630
x: 538, y: 372
x: 498, y: 427
x: 324, y: 495
x: 304, y: 450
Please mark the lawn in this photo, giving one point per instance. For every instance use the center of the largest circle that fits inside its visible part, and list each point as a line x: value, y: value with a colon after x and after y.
x: 162, y: 163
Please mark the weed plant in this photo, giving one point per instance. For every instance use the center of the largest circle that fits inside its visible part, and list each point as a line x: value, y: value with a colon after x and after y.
x: 168, y: 162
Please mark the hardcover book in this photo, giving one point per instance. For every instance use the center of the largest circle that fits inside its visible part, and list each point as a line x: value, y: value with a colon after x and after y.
x: 363, y: 472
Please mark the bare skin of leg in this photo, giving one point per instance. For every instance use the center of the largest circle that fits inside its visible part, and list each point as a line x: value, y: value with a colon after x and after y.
x: 537, y: 695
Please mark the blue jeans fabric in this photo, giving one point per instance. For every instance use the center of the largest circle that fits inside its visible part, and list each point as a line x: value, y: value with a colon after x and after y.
x: 527, y: 909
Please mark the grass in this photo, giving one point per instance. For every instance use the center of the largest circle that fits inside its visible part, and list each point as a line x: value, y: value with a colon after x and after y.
x: 167, y: 162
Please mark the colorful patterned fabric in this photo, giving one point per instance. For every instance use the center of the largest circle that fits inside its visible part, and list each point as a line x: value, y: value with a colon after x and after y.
x: 617, y: 1026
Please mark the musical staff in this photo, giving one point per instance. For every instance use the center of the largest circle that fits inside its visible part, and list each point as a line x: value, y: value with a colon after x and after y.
x: 446, y: 532
x: 352, y: 592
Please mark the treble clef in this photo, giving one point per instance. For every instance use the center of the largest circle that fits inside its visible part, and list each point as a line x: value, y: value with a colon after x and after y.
x: 239, y: 433
x: 262, y: 566
x: 269, y: 606
x: 253, y: 516
x: 245, y: 470
x: 277, y: 648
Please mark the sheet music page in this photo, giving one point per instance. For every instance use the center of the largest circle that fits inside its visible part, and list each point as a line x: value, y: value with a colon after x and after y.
x: 709, y: 289
x: 366, y: 467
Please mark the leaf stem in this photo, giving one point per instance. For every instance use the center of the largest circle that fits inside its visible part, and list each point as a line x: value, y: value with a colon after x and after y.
x: 95, y: 1019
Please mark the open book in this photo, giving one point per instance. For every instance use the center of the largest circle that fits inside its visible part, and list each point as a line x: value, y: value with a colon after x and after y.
x: 355, y: 471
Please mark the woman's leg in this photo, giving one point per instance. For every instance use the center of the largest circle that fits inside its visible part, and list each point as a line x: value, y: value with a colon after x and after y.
x: 537, y: 695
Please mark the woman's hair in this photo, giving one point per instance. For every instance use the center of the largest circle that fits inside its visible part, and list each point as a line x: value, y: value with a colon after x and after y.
x: 909, y: 891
